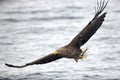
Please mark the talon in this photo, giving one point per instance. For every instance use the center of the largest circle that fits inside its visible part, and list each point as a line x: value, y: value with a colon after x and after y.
x: 87, y: 49
x: 82, y: 54
x: 84, y: 51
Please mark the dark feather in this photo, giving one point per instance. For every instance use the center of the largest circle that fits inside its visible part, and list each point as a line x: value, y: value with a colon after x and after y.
x: 46, y: 59
x: 92, y: 26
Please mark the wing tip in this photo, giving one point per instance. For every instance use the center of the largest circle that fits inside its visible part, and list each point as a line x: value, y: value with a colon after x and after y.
x: 10, y: 65
x: 101, y: 5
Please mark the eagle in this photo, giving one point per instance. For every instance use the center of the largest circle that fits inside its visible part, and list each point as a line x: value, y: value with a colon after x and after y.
x: 73, y: 49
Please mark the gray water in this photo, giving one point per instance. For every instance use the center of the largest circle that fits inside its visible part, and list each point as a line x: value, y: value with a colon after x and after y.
x: 30, y: 29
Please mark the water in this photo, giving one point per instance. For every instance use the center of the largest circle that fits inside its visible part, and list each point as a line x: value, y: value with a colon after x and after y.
x: 30, y: 29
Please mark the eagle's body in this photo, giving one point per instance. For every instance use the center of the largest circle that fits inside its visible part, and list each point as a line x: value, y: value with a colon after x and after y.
x: 73, y: 49
x: 69, y: 52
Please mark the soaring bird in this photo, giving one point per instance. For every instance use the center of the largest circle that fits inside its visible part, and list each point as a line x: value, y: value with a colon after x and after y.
x: 73, y: 49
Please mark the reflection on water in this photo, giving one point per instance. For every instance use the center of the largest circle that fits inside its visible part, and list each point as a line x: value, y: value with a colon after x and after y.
x: 30, y: 29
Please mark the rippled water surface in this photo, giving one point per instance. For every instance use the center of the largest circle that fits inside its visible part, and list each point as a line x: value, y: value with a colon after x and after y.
x: 30, y: 29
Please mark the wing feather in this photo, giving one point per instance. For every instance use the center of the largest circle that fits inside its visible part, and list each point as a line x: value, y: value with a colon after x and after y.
x: 43, y: 60
x: 46, y: 59
x: 92, y: 26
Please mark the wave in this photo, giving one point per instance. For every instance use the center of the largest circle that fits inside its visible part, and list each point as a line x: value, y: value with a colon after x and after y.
x: 41, y: 19
x: 26, y: 12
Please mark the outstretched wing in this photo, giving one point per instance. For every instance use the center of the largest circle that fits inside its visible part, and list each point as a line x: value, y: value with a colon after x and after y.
x: 43, y: 60
x: 92, y: 26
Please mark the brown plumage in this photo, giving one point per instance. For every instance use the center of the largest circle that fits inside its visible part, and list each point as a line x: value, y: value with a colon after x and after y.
x: 72, y: 50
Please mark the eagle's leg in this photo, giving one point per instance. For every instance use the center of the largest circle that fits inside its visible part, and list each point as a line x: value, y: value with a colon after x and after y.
x: 76, y: 59
x: 81, y: 56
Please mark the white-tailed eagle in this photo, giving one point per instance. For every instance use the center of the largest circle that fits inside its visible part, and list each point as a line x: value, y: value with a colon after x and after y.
x: 73, y: 49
